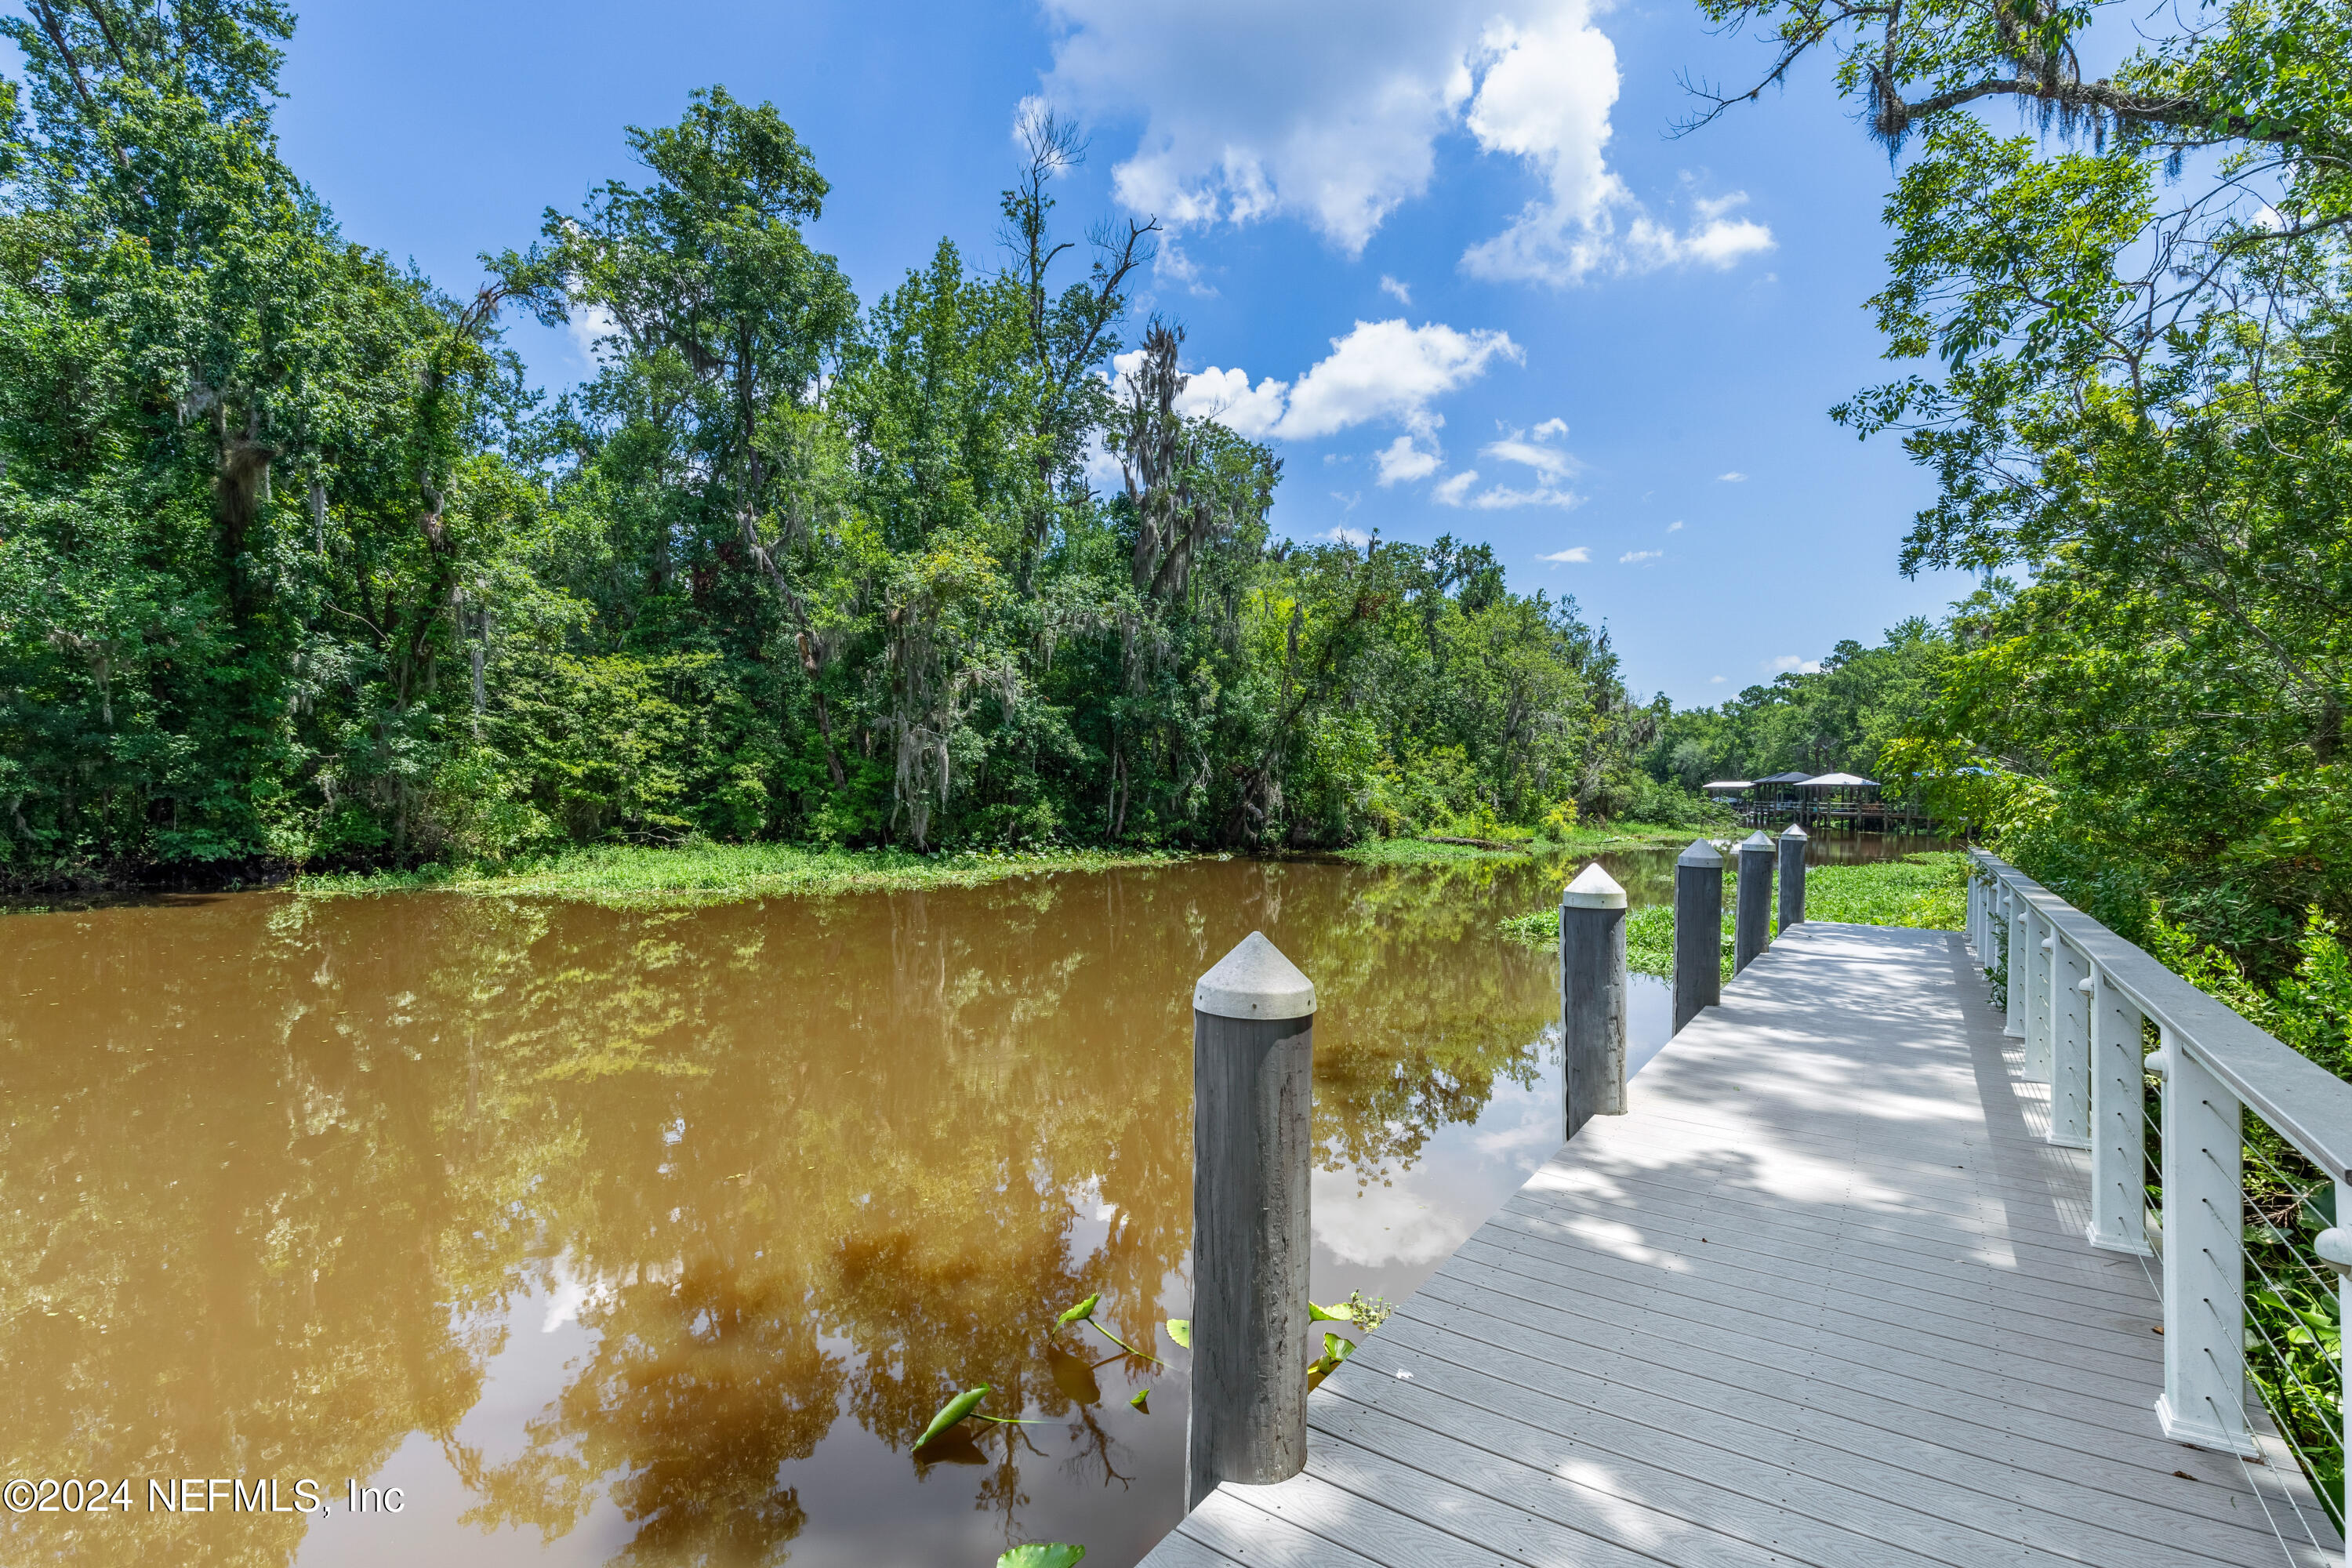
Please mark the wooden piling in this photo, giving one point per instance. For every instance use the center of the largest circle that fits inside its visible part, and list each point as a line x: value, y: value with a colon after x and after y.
x: 1751, y: 922
x: 1698, y: 930
x: 1794, y: 843
x: 1253, y: 1087
x: 1592, y: 996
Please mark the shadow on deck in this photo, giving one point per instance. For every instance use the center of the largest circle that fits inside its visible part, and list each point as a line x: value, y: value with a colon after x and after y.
x: 1821, y: 1297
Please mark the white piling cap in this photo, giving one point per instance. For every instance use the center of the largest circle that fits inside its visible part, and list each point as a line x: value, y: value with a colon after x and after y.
x: 1793, y: 831
x: 1700, y: 853
x: 1756, y: 843
x: 1255, y: 980
x: 1594, y: 889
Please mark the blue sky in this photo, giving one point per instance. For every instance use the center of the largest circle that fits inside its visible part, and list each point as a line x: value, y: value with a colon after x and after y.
x: 1448, y: 247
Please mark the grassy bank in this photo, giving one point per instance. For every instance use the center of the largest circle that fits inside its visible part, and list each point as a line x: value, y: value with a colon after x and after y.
x: 1928, y: 890
x: 723, y: 873
x: 726, y: 873
x: 1584, y: 841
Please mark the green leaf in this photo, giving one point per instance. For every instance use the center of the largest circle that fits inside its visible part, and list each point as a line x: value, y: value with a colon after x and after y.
x: 1041, y: 1555
x: 1340, y: 1314
x: 1079, y: 1313
x: 1336, y: 1350
x: 1141, y: 1395
x: 1181, y: 1331
x: 953, y: 1411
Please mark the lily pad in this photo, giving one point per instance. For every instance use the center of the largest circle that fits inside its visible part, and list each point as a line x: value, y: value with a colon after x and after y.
x: 1181, y: 1331
x: 1041, y: 1555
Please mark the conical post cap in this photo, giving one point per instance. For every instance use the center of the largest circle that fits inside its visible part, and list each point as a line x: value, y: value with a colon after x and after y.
x: 1594, y: 889
x: 1755, y: 842
x: 1793, y: 831
x: 1255, y: 980
x: 1701, y: 853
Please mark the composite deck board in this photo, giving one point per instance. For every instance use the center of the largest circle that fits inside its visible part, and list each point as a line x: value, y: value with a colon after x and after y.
x: 1978, y: 1420
x: 1821, y: 1298
x: 1928, y: 1316
x: 1845, y: 1412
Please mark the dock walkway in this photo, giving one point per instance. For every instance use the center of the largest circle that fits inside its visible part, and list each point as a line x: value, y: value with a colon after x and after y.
x: 1822, y: 1297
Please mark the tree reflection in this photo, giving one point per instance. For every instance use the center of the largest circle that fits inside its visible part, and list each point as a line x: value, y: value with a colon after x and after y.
x: 278, y: 1173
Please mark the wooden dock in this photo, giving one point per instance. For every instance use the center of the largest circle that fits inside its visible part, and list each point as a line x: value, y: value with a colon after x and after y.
x: 1822, y: 1297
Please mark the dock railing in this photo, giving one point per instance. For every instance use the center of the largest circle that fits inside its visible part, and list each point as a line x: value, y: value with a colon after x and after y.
x: 2240, y: 1207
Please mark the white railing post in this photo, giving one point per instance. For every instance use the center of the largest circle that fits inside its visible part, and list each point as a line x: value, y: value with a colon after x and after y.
x: 2034, y: 952
x: 2070, y: 1045
x: 2013, y: 933
x: 2119, y: 1124
x: 1976, y: 907
x: 2204, y: 1398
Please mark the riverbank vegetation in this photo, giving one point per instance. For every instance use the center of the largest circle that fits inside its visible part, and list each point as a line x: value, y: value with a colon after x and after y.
x: 1927, y: 890
x: 296, y: 571
x: 2136, y: 306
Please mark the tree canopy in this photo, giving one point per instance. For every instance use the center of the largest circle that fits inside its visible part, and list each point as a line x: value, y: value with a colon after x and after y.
x: 296, y: 569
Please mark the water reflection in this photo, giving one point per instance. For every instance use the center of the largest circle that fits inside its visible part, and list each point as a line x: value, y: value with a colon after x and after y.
x: 656, y: 1237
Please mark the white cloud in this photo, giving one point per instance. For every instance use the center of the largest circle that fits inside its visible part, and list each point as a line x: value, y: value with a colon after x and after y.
x: 1389, y: 370
x: 1355, y: 536
x: 1551, y: 429
x: 1227, y: 397
x: 1635, y: 557
x: 1715, y: 680
x: 1550, y: 462
x: 1788, y: 662
x: 1449, y: 492
x: 589, y: 326
x: 1675, y: 527
x: 1401, y: 460
x: 1503, y: 498
x: 1400, y: 292
x: 1330, y: 112
x: 1580, y: 552
x: 1732, y: 478
x: 1380, y: 372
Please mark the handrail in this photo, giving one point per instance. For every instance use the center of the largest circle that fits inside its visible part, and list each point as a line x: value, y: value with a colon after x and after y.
x: 2079, y: 999
x: 2307, y: 1105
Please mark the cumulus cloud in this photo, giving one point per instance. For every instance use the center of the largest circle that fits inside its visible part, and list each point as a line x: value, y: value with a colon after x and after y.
x: 1401, y: 461
x: 1330, y: 112
x: 1345, y: 535
x: 1675, y: 527
x: 1389, y: 285
x: 1715, y: 680
x: 1578, y: 553
x: 1389, y: 371
x: 1732, y: 478
x: 1379, y: 372
x: 1790, y: 663
x: 1227, y: 397
x: 1635, y: 557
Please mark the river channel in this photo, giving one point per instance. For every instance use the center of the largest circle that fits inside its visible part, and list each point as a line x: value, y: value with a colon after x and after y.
x: 656, y: 1236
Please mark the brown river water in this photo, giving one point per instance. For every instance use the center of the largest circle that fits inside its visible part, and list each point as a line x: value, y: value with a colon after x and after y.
x: 656, y: 1238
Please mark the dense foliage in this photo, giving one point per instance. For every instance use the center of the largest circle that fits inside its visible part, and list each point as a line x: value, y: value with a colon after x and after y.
x: 1847, y: 716
x: 2138, y: 312
x: 293, y: 568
